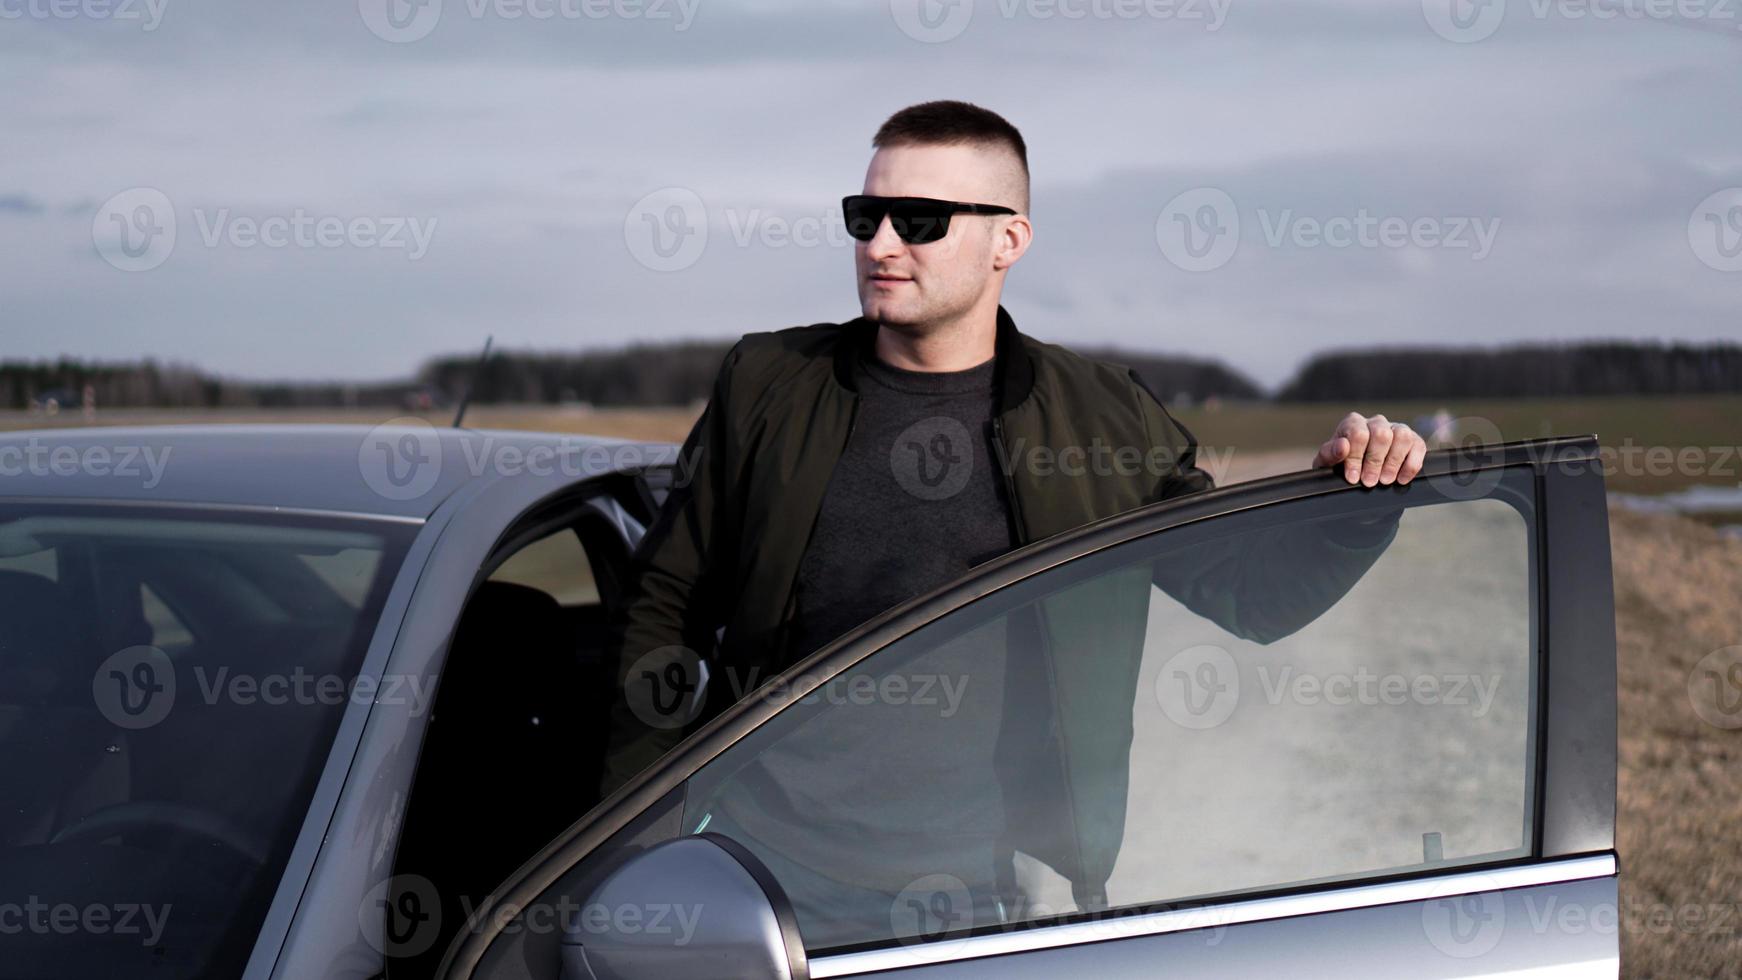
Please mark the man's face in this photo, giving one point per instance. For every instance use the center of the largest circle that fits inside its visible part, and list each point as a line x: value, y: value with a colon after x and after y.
x: 922, y: 285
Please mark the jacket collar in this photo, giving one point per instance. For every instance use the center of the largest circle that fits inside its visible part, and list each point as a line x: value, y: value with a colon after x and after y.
x: 1014, y: 369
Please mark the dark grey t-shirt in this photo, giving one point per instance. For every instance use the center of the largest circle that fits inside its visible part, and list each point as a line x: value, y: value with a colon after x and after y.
x: 915, y: 500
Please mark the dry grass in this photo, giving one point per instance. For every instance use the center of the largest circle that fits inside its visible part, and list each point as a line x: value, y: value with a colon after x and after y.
x: 652, y: 424
x: 1677, y: 584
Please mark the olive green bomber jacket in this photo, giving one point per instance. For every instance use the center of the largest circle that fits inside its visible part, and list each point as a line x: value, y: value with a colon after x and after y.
x: 725, y: 548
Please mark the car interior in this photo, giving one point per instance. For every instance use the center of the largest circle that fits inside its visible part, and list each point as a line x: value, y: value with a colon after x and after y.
x: 193, y: 810
x: 515, y: 746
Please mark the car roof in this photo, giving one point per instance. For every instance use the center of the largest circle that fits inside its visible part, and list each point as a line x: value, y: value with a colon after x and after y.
x: 332, y: 468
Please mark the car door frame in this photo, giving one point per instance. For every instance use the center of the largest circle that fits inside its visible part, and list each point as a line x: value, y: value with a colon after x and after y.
x: 1574, y: 804
x: 347, y: 846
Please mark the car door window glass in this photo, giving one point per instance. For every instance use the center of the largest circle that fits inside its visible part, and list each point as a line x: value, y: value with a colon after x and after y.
x: 1085, y: 740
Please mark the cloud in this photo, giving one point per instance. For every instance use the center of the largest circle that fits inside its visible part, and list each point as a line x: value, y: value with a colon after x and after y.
x: 529, y: 143
x: 19, y: 204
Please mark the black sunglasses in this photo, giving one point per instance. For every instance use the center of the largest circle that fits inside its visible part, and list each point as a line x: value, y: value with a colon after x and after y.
x: 916, y: 220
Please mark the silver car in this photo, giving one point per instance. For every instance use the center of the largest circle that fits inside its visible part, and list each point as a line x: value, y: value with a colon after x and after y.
x: 332, y: 702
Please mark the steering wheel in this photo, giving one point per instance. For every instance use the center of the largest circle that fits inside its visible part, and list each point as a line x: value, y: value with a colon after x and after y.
x: 155, y: 816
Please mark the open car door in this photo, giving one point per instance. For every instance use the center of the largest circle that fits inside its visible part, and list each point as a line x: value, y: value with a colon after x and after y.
x: 1018, y: 776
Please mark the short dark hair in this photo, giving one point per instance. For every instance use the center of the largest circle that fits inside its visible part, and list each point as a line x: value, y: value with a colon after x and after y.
x: 947, y: 122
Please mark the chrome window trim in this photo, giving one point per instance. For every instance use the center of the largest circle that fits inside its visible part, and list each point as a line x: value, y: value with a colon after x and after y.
x: 1212, y: 916
x: 204, y: 506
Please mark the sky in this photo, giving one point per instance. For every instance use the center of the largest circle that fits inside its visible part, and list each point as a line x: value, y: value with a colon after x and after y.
x: 340, y: 189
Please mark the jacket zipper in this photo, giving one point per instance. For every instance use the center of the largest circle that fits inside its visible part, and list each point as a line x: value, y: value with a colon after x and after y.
x: 1007, y: 471
x: 1044, y: 625
x: 792, y: 587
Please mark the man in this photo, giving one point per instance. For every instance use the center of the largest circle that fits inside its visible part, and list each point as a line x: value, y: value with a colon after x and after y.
x: 839, y: 469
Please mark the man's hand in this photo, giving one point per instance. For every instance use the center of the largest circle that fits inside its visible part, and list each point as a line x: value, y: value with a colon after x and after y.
x: 1373, y: 450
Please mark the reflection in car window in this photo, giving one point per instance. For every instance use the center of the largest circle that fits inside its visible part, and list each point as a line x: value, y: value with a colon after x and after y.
x: 40, y: 562
x: 1085, y: 741
x: 167, y: 632
x: 167, y: 701
x: 349, y: 572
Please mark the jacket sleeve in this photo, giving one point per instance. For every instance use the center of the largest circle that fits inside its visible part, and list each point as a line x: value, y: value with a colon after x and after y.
x: 676, y: 596
x: 1265, y: 585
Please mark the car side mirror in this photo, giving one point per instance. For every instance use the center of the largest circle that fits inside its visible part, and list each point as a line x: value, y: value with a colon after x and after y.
x: 700, y: 907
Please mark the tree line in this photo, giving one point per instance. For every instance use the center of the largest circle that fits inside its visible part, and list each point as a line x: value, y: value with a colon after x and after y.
x: 1535, y: 370
x: 682, y: 374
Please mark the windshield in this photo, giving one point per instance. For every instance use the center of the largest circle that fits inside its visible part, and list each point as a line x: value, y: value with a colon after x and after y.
x: 170, y: 684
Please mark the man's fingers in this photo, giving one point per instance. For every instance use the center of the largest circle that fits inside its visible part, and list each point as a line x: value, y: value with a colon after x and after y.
x: 1412, y: 465
x: 1335, y: 450
x: 1356, y: 431
x: 1403, y: 440
x: 1379, y: 439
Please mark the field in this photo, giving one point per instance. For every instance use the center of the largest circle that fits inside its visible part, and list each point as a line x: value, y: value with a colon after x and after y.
x: 1658, y: 444
x: 1678, y: 589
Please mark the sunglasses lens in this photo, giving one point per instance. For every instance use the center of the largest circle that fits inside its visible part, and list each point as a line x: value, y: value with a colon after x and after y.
x: 918, y: 224
x: 864, y: 215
